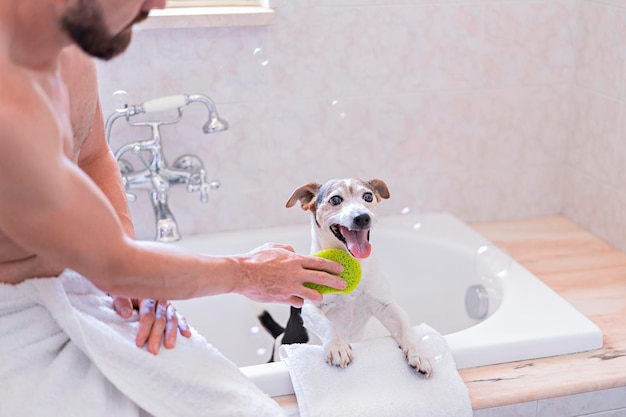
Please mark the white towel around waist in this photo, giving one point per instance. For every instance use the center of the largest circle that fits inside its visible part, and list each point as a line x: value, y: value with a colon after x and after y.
x: 65, y: 352
x: 378, y: 383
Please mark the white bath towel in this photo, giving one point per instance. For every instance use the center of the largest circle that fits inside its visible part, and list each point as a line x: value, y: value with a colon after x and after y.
x: 65, y: 352
x: 378, y: 383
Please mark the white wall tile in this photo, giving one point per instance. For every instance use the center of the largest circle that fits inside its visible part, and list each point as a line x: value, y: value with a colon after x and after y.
x: 601, y: 48
x: 527, y: 409
x: 614, y: 413
x: 583, y: 404
x: 529, y: 42
x: 403, y: 90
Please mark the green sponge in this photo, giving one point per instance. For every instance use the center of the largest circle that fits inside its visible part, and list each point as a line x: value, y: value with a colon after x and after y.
x: 351, y: 271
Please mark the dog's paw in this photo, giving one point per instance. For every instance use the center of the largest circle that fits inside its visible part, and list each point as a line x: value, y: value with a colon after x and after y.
x: 338, y: 354
x: 416, y: 361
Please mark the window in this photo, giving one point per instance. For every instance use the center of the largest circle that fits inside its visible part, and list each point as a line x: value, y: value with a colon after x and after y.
x: 205, y: 3
x: 209, y: 13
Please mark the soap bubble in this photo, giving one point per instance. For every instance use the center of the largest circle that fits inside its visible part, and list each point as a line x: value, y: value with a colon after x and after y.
x: 339, y: 108
x: 256, y: 340
x: 433, y: 345
x: 414, y: 220
x: 120, y: 100
x: 492, y: 262
x: 261, y: 56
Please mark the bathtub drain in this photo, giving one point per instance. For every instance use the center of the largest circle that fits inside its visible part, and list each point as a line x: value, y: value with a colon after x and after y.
x: 477, y: 302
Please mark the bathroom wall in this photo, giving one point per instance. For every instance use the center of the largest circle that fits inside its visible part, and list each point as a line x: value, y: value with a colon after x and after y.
x: 595, y: 170
x: 473, y: 107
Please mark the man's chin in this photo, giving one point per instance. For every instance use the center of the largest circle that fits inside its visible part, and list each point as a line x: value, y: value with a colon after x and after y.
x: 95, y: 41
x: 119, y: 43
x: 143, y: 15
x: 111, y: 49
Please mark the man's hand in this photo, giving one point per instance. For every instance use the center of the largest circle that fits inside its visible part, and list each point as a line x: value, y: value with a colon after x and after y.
x: 276, y: 273
x: 158, y: 322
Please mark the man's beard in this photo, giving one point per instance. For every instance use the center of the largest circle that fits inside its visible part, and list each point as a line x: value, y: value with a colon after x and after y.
x: 84, y: 23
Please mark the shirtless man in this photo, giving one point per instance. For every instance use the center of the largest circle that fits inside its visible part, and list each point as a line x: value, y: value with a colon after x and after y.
x: 50, y: 209
x: 60, y: 205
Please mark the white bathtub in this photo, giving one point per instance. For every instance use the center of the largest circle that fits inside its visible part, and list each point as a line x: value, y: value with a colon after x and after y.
x: 440, y: 272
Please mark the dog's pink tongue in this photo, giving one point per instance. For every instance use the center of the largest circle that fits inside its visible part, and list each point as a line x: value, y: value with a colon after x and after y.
x: 357, y: 243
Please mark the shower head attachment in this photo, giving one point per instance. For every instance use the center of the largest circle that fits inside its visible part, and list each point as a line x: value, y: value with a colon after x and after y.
x: 215, y: 124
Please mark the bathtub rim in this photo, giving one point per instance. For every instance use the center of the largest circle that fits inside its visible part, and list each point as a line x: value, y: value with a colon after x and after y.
x: 274, y: 379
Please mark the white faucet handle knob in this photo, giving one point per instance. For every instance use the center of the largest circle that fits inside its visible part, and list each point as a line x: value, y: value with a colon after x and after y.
x: 164, y: 103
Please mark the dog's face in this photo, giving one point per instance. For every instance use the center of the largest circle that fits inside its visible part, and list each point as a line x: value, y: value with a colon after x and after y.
x: 344, y: 211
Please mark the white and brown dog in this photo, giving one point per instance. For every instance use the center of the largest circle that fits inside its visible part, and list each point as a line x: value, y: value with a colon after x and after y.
x: 343, y: 212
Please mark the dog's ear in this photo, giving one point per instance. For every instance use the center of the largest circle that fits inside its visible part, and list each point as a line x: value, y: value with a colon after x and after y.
x: 380, y: 188
x: 306, y: 195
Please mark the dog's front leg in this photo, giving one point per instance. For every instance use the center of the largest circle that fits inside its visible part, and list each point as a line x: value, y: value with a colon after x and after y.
x: 337, y: 351
x: 394, y: 318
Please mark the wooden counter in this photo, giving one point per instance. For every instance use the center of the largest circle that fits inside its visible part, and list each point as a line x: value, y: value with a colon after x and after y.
x: 588, y: 273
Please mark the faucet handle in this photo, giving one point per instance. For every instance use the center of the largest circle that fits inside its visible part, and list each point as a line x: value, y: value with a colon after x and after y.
x: 165, y: 103
x: 204, y: 187
x: 198, y: 182
x: 204, y: 193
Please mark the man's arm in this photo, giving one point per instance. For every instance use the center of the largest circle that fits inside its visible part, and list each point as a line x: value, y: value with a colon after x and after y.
x: 158, y: 318
x: 97, y: 161
x: 52, y: 208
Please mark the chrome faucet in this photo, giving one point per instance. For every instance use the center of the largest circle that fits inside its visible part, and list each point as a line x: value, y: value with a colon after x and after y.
x: 157, y: 176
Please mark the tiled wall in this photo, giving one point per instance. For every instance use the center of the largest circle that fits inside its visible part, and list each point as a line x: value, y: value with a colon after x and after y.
x: 605, y: 403
x: 595, y: 171
x: 473, y: 107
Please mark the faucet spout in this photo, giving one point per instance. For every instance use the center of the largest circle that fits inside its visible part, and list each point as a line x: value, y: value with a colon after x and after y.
x: 167, y: 228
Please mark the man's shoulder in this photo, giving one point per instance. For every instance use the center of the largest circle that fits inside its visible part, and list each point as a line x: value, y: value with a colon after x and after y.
x: 24, y: 109
x: 15, y: 88
x: 13, y: 76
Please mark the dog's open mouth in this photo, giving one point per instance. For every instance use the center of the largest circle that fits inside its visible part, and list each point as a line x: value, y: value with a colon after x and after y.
x: 357, y: 241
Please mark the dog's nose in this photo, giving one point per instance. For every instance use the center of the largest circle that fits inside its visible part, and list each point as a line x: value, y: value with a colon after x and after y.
x: 362, y: 221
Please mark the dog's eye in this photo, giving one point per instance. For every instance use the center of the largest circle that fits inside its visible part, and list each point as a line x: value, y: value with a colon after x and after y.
x: 368, y: 197
x: 335, y: 200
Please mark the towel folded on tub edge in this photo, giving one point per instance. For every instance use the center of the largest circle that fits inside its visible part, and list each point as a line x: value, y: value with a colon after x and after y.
x: 65, y: 351
x: 377, y: 383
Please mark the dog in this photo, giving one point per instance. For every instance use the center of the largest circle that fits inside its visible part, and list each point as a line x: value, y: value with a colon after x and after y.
x: 343, y: 212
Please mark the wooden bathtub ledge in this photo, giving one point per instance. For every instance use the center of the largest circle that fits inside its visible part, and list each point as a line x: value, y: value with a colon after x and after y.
x: 588, y: 273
